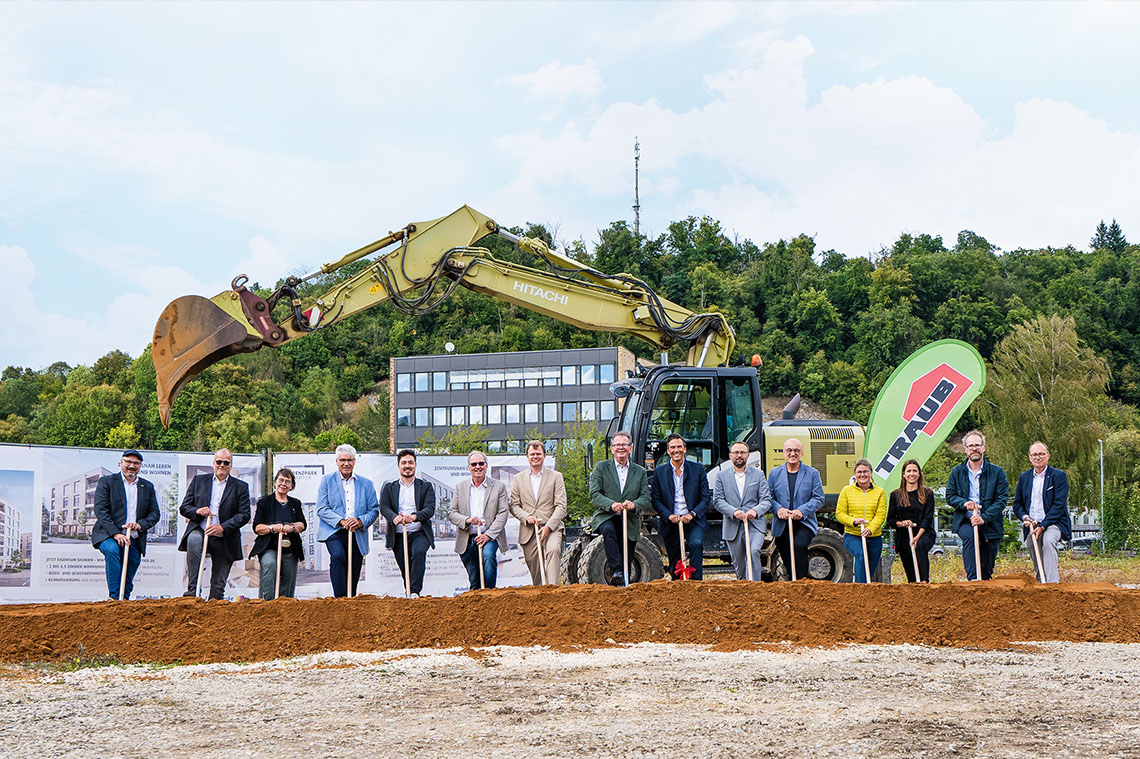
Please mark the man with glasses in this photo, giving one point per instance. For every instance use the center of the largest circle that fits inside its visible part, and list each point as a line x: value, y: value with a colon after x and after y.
x: 346, y: 502
x: 619, y: 490
x: 797, y: 492
x: 217, y: 506
x: 1041, y: 502
x: 125, y: 508
x: 480, y: 518
x: 977, y: 490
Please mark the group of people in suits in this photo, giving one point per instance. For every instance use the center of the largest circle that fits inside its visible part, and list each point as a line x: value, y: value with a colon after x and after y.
x: 217, y: 505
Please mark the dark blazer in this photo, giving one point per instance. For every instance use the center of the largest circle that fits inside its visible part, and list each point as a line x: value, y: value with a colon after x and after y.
x: 111, y: 509
x: 1054, y: 496
x: 266, y: 513
x: 993, y: 493
x: 695, y: 482
x: 425, y: 508
x: 233, y: 511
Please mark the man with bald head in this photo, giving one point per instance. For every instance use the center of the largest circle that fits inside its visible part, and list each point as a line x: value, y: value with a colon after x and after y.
x: 797, y: 492
x: 217, y: 505
x: 1042, y: 504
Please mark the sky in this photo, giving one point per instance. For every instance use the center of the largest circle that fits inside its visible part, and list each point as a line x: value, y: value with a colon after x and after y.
x: 153, y: 150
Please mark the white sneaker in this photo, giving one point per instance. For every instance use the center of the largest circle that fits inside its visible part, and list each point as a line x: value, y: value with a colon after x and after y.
x: 415, y: 595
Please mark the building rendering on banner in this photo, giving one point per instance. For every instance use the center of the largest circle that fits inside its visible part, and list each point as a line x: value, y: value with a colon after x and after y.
x: 73, y: 505
x: 9, y: 534
x: 511, y: 395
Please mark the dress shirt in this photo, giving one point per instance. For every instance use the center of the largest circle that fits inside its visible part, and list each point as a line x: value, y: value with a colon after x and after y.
x: 478, y: 504
x: 535, y: 482
x: 680, y: 508
x: 740, y: 477
x: 1037, y: 500
x: 975, y: 483
x: 217, y: 488
x: 132, y: 491
x: 622, y: 473
x: 349, y: 496
x: 408, y: 507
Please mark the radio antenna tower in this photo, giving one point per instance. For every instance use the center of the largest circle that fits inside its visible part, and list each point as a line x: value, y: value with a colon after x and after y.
x: 636, y: 198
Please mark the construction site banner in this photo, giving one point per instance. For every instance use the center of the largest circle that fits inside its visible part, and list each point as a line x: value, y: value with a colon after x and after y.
x: 920, y: 404
x: 47, y: 513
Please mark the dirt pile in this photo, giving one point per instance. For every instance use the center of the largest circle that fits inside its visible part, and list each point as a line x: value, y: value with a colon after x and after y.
x: 726, y: 615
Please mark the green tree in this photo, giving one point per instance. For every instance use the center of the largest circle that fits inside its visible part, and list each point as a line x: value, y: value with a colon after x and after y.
x: 578, y: 440
x: 1108, y: 238
x: 1043, y: 385
x: 339, y: 435
x: 457, y: 441
x: 123, y: 436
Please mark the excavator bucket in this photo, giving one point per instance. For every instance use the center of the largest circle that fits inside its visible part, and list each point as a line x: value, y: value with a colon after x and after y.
x: 192, y: 333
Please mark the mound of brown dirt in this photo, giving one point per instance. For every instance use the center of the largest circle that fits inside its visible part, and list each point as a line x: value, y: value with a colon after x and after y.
x: 726, y: 615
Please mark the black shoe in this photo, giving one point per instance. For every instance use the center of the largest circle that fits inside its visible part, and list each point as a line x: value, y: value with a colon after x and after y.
x: 617, y: 579
x: 189, y: 594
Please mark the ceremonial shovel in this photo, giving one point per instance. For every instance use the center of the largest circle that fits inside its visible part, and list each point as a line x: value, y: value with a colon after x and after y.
x: 280, y: 544
x: 202, y: 563
x: 541, y: 553
x: 348, y: 577
x: 792, y: 547
x: 913, y: 554
x: 625, y: 546
x: 1037, y: 552
x: 407, y: 566
x: 977, y: 550
x: 479, y: 556
x: 126, y: 556
x: 748, y: 546
x: 866, y: 563
x: 684, y: 560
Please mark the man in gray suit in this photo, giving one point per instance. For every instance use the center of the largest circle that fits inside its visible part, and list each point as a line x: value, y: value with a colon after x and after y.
x: 619, y: 488
x: 742, y: 496
x: 480, y: 514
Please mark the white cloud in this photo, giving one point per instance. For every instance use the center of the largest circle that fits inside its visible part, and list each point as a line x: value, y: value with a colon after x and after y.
x: 561, y: 81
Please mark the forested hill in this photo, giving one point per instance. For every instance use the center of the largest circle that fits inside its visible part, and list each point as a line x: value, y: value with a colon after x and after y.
x: 827, y: 325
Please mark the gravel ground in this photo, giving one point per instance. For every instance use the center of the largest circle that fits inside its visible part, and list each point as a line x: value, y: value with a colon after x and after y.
x: 644, y: 700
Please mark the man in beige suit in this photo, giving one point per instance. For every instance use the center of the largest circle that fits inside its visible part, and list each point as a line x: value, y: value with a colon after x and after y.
x: 480, y: 517
x: 538, y: 501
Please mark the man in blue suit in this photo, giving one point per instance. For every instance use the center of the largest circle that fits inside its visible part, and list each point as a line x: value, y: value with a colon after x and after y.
x: 977, y: 489
x: 1042, y: 504
x: 797, y: 492
x: 125, y: 508
x: 680, y: 494
x: 345, y: 501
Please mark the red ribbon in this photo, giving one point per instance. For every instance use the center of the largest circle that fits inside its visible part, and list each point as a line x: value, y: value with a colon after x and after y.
x: 683, y: 571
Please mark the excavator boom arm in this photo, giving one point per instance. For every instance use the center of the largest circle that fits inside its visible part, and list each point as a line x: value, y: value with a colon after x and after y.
x: 428, y: 262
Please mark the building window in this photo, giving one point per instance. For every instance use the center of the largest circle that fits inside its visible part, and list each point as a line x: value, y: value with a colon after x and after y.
x: 512, y: 413
x: 531, y: 377
x: 513, y: 377
x: 530, y: 413
x: 475, y: 414
x: 605, y: 410
x: 513, y: 446
x: 422, y: 382
x: 421, y: 417
x: 403, y: 383
x: 550, y: 376
x: 438, y: 381
x: 439, y: 416
x: 589, y: 409
x: 606, y: 374
x: 550, y: 446
x: 458, y: 380
x: 569, y: 411
x: 495, y: 378
x: 494, y: 446
x: 475, y: 379
x: 495, y: 414
x: 550, y: 412
x: 569, y: 375
x: 458, y: 413
x: 404, y: 417
x: 589, y: 374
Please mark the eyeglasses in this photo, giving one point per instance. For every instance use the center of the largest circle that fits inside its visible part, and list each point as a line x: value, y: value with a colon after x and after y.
x: 620, y: 445
x: 1037, y: 455
x: 976, y: 446
x: 793, y: 450
x: 477, y: 464
x: 132, y: 463
x: 345, y: 461
x: 222, y: 462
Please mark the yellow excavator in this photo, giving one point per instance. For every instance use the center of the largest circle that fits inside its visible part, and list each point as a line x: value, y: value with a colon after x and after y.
x: 708, y: 402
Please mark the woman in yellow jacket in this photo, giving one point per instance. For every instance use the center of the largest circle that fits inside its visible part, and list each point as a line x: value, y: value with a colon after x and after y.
x: 862, y: 509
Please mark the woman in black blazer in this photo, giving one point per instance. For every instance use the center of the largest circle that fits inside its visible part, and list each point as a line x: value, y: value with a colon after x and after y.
x: 279, y: 517
x: 912, y: 505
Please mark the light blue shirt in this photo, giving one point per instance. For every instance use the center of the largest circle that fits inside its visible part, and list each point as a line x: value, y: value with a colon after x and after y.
x: 975, y: 484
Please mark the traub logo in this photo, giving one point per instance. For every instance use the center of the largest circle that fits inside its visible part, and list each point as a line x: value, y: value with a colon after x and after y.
x: 932, y: 397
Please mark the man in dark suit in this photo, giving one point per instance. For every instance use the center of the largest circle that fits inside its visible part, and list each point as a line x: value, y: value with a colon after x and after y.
x: 977, y: 489
x: 680, y: 494
x: 797, y: 492
x: 217, y: 506
x: 125, y: 508
x: 1042, y: 504
x: 619, y: 489
x: 409, y: 504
